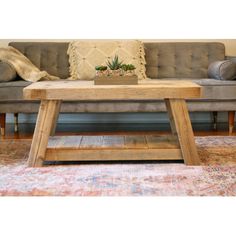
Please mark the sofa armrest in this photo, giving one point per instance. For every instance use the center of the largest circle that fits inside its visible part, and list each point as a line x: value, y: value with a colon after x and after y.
x: 222, y: 70
x: 7, y: 72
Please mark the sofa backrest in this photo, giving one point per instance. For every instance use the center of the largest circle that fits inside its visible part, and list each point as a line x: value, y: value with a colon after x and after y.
x: 49, y: 56
x: 181, y: 60
x: 164, y: 60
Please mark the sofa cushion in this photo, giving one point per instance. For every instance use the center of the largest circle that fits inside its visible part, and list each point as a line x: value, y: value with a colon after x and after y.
x: 7, y: 72
x: 49, y: 56
x: 85, y: 55
x: 214, y: 82
x: 222, y: 70
x: 212, y: 89
x: 12, y: 90
x: 217, y: 89
x: 181, y: 60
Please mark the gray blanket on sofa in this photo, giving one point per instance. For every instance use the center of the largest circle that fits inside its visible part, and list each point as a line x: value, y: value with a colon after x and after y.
x: 23, y: 66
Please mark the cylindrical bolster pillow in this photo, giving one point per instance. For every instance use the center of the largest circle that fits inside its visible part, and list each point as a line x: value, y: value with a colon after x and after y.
x: 222, y: 70
x: 7, y: 72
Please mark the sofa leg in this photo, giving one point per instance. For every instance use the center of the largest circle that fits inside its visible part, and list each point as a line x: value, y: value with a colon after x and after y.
x: 3, y: 123
x: 215, y: 119
x: 16, y: 122
x: 231, y: 115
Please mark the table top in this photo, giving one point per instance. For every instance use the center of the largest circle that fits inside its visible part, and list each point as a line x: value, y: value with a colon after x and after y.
x: 87, y: 91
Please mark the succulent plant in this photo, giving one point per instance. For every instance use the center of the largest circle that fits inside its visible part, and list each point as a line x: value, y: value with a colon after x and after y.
x: 115, y: 64
x: 127, y: 67
x: 101, y: 68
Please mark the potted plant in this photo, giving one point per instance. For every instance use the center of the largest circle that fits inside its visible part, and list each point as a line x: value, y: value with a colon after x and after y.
x: 115, y: 66
x: 115, y: 73
x: 128, y: 69
x: 101, y: 71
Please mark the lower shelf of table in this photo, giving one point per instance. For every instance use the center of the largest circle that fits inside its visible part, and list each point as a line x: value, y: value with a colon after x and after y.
x: 113, y: 147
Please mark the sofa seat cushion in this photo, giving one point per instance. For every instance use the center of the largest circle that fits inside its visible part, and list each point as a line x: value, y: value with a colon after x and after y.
x: 12, y: 90
x: 218, y: 89
x: 212, y: 89
x: 215, y: 82
x: 215, y: 89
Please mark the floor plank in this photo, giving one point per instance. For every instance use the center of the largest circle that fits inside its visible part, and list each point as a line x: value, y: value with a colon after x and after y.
x: 91, y: 142
x: 113, y: 141
x: 69, y: 141
x: 136, y: 141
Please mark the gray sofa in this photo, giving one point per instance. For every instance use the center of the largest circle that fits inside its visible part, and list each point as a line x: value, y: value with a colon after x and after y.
x: 164, y: 61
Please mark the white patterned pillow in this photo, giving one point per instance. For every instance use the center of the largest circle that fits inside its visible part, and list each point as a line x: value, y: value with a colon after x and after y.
x: 84, y: 55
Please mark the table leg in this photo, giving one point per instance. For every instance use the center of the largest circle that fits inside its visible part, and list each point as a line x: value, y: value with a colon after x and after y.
x: 55, y: 118
x: 3, y: 123
x: 43, y: 128
x: 16, y: 122
x: 171, y: 118
x: 181, y: 125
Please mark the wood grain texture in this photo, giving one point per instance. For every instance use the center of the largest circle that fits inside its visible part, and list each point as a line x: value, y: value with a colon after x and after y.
x: 113, y: 141
x: 70, y: 142
x: 171, y: 118
x: 51, y: 93
x: 112, y: 147
x: 41, y: 134
x: 15, y: 122
x: 136, y: 141
x: 55, y: 117
x: 177, y: 108
x: 86, y: 90
x: 167, y: 142
x: 3, y: 123
x: 91, y: 142
x: 116, y: 80
x: 112, y: 154
x: 231, y: 116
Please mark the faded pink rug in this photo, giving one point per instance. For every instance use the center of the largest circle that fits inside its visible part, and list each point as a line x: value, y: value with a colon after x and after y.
x: 216, y: 177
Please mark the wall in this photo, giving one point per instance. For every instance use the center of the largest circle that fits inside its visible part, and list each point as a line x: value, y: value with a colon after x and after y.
x: 230, y: 45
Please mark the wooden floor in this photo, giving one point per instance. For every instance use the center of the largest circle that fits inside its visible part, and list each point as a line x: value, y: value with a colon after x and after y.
x: 26, y: 130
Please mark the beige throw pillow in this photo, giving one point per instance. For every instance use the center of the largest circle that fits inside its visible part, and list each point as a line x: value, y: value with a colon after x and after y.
x: 84, y: 55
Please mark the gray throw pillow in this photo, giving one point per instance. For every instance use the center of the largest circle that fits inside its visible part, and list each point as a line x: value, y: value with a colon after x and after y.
x: 222, y: 70
x: 7, y: 72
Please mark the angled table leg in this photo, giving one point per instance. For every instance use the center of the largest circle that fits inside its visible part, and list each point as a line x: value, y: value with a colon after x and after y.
x: 45, y: 122
x: 171, y: 118
x: 55, y: 118
x: 181, y: 125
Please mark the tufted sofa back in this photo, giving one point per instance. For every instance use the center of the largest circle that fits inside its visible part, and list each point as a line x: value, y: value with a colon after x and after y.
x: 181, y: 60
x: 49, y: 56
x: 164, y: 60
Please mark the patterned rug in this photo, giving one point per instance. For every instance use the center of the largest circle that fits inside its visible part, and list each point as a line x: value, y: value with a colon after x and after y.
x: 215, y: 177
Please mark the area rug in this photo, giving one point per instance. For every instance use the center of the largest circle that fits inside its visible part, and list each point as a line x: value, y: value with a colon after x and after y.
x: 215, y: 177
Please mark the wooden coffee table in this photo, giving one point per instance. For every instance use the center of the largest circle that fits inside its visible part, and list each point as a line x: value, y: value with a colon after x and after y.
x: 180, y: 145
